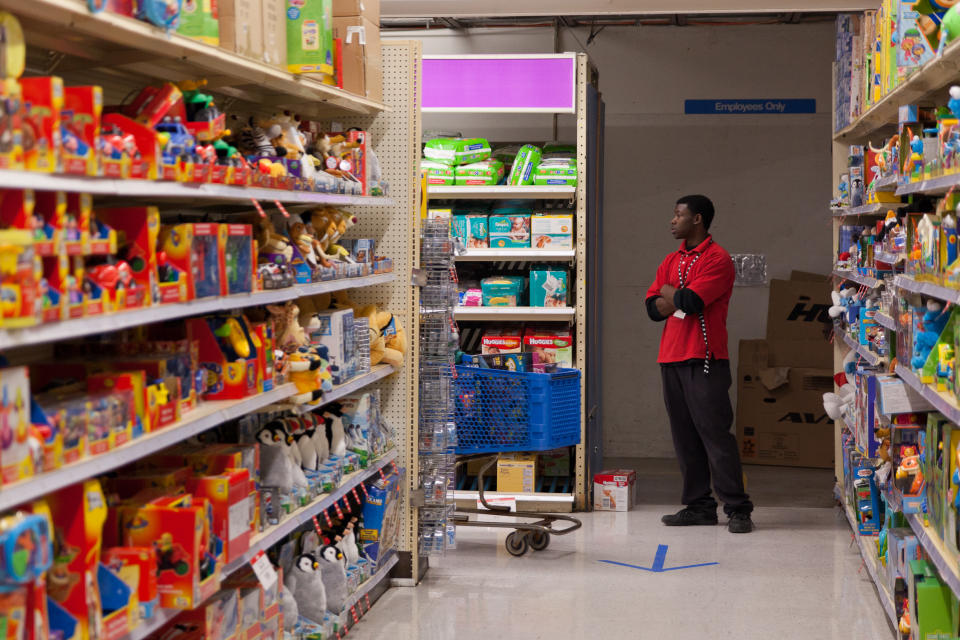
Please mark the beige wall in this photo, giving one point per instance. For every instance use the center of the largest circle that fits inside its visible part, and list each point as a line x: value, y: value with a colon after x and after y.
x: 769, y: 176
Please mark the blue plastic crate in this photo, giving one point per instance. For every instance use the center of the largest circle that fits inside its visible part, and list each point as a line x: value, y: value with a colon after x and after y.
x: 512, y: 411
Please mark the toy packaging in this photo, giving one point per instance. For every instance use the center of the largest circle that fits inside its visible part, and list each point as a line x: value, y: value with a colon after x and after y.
x: 381, y: 518
x: 456, y: 151
x: 310, y: 36
x: 15, y: 456
x: 199, y: 20
x: 336, y: 333
x: 43, y: 102
x: 509, y: 231
x: 80, y: 129
x: 488, y: 172
x: 527, y: 160
x: 614, y: 490
x: 502, y: 291
x: 552, y: 231
x: 548, y: 287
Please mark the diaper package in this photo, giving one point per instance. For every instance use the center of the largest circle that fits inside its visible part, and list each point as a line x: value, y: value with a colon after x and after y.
x: 509, y: 231
x: 471, y: 229
x: 502, y: 291
x: 498, y: 340
x: 508, y: 154
x: 488, y: 172
x: 458, y: 228
x: 456, y: 151
x: 553, y: 345
x: 556, y: 149
x: 552, y: 231
x: 557, y: 171
x: 523, y: 166
x: 438, y: 173
x: 548, y: 287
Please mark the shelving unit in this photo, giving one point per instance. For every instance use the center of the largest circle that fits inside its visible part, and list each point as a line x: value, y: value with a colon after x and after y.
x: 927, y: 288
x: 862, y: 350
x: 866, y: 281
x: 942, y: 402
x: 868, y: 552
x: 885, y: 321
x: 68, y: 329
x: 586, y: 107
x: 932, y: 187
x: 879, y: 208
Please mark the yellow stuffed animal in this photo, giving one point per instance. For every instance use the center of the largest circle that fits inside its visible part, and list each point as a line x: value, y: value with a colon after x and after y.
x: 394, y: 338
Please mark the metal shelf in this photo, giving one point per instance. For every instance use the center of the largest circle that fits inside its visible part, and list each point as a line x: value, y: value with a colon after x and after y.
x: 206, y: 416
x: 942, y: 402
x: 931, y: 543
x: 887, y: 184
x: 885, y: 321
x: 867, y: 281
x: 51, y: 332
x: 105, y: 40
x: 927, y: 82
x: 521, y: 255
x: 502, y: 193
x: 521, y: 497
x: 869, y: 557
x: 927, y: 288
x: 364, y: 590
x: 889, y: 258
x: 515, y: 313
x: 933, y: 186
x: 188, y: 191
x: 877, y: 208
x: 862, y: 350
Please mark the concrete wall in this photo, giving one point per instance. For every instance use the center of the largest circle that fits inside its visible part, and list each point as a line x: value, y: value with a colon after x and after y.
x: 769, y: 176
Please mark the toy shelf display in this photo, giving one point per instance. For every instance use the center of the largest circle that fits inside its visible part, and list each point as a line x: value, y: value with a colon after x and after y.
x: 203, y: 329
x: 519, y: 211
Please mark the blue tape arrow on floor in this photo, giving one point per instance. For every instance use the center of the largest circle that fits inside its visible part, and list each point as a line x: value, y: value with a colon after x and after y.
x: 658, y: 561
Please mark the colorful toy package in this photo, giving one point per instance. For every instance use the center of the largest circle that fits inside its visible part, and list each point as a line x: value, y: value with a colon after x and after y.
x: 456, y: 151
x: 556, y: 171
x: 199, y: 20
x: 381, y: 518
x: 509, y: 231
x: 310, y: 36
x: 523, y: 166
x: 15, y: 413
x: 438, y: 173
x: 487, y: 172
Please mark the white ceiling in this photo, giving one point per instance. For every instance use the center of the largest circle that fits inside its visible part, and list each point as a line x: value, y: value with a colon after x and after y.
x: 508, y: 8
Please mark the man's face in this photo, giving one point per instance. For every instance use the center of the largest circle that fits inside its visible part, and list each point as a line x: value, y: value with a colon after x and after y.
x: 683, y: 222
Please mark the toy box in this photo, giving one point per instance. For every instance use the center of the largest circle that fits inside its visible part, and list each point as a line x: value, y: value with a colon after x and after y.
x: 239, y: 259
x: 19, y: 266
x: 509, y: 231
x: 951, y: 454
x: 936, y: 470
x: 615, y: 490
x: 15, y: 453
x: 336, y: 332
x: 517, y: 473
x: 130, y: 149
x: 197, y: 250
x: 902, y: 549
x: 229, y: 496
x: 501, y: 341
x: 502, y: 291
x: 310, y: 36
x: 381, y: 518
x: 228, y: 356
x: 43, y: 102
x: 199, y: 20
x: 552, y: 345
x: 552, y: 231
x: 136, y: 566
x: 129, y: 397
x: 907, y: 448
x: 933, y: 599
x: 12, y: 109
x: 80, y: 127
x: 548, y: 287
x: 218, y: 619
x: 865, y: 498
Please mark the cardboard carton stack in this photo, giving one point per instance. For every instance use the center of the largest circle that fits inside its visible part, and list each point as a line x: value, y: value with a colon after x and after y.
x: 781, y: 380
x: 357, y: 24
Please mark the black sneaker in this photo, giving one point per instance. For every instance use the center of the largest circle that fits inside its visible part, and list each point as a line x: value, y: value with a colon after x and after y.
x: 740, y: 523
x: 690, y: 517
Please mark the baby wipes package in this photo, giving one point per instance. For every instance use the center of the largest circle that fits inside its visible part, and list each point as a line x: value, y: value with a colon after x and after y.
x: 488, y: 172
x: 310, y: 36
x: 548, y: 287
x: 552, y: 231
x: 438, y: 173
x: 523, y: 166
x: 502, y: 291
x: 557, y: 171
x: 509, y: 231
x: 456, y: 151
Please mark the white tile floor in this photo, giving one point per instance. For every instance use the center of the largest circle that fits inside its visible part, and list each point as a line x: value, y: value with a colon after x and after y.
x: 797, y: 576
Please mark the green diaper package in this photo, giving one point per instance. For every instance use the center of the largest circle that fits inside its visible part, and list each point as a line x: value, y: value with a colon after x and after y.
x: 559, y: 150
x: 488, y: 172
x: 502, y: 291
x: 457, y: 151
x: 527, y: 160
x: 557, y: 171
x: 508, y: 154
x: 438, y: 173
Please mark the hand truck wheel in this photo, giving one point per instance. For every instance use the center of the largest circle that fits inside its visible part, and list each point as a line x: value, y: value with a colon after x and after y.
x: 516, y: 543
x: 538, y: 540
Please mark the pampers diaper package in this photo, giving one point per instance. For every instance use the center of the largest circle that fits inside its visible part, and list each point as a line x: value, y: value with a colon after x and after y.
x: 548, y: 287
x: 552, y: 231
x: 503, y: 291
x: 509, y: 231
x: 471, y: 229
x: 488, y: 172
x: 456, y: 151
x: 524, y: 165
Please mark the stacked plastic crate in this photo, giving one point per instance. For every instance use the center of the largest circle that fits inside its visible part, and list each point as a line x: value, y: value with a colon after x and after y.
x: 438, y: 344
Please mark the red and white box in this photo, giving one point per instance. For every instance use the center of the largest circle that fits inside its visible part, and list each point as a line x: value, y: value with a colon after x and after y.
x: 615, y: 490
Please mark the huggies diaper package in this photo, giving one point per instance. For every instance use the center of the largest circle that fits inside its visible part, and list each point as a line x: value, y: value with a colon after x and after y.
x: 457, y: 151
x: 438, y: 173
x: 552, y: 231
x: 558, y: 171
x: 497, y: 340
x: 553, y: 345
x: 509, y: 231
x: 548, y: 287
x: 488, y: 172
x: 523, y: 166
x: 502, y: 291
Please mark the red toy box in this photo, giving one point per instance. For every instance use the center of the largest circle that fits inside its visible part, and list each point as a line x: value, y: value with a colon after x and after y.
x: 43, y: 101
x: 230, y: 360
x: 80, y: 118
x: 229, y: 495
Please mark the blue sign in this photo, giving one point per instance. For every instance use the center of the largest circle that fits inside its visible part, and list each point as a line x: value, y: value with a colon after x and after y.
x: 750, y: 107
x: 658, y: 561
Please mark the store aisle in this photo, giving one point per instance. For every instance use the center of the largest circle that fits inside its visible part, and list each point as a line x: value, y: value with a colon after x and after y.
x: 796, y: 575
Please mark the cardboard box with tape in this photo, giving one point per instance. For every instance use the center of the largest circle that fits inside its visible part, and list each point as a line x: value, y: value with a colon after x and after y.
x: 798, y: 322
x: 361, y: 60
x: 241, y: 27
x: 369, y: 9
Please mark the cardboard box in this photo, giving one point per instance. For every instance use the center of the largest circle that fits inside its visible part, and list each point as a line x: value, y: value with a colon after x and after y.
x: 780, y: 416
x: 361, y: 43
x: 615, y: 490
x: 517, y: 473
x: 241, y: 27
x: 373, y: 76
x: 798, y: 322
x: 369, y: 9
x: 274, y: 20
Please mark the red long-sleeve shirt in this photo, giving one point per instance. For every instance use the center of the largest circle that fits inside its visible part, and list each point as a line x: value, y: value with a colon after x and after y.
x: 711, y: 279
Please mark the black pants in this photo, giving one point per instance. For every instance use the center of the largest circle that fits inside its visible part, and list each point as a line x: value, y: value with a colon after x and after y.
x: 700, y: 420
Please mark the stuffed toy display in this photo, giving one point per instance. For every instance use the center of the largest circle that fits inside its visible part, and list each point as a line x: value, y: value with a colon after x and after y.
x: 277, y: 468
x: 933, y: 323
x: 307, y: 583
x: 334, y: 577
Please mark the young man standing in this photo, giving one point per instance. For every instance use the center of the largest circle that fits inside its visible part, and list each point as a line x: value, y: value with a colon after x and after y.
x: 692, y: 293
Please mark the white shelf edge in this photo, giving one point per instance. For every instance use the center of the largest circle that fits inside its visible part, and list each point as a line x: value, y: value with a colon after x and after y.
x: 927, y: 288
x: 501, y: 192
x: 870, y: 562
x: 872, y: 358
x: 874, y: 208
x: 885, y: 321
x: 932, y: 186
x: 53, y: 331
x: 947, y: 572
x: 871, y: 283
x: 515, y: 313
x: 369, y: 585
x: 941, y: 404
x: 522, y: 497
x: 496, y: 255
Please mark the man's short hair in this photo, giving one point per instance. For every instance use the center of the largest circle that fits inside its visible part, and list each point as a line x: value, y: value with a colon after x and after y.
x: 699, y: 204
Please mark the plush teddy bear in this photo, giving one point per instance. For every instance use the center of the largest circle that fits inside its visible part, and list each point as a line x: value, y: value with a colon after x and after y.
x: 271, y: 242
x: 394, y: 338
x: 289, y: 335
x: 304, y: 242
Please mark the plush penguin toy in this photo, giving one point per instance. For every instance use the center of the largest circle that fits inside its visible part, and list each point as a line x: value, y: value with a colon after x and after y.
x: 335, y: 433
x: 334, y: 577
x: 276, y: 463
x: 290, y: 609
x: 308, y: 587
x: 306, y: 446
x: 349, y: 543
x: 292, y: 428
x: 318, y: 433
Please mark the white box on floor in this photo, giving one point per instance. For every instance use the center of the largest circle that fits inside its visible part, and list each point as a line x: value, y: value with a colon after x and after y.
x: 615, y: 490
